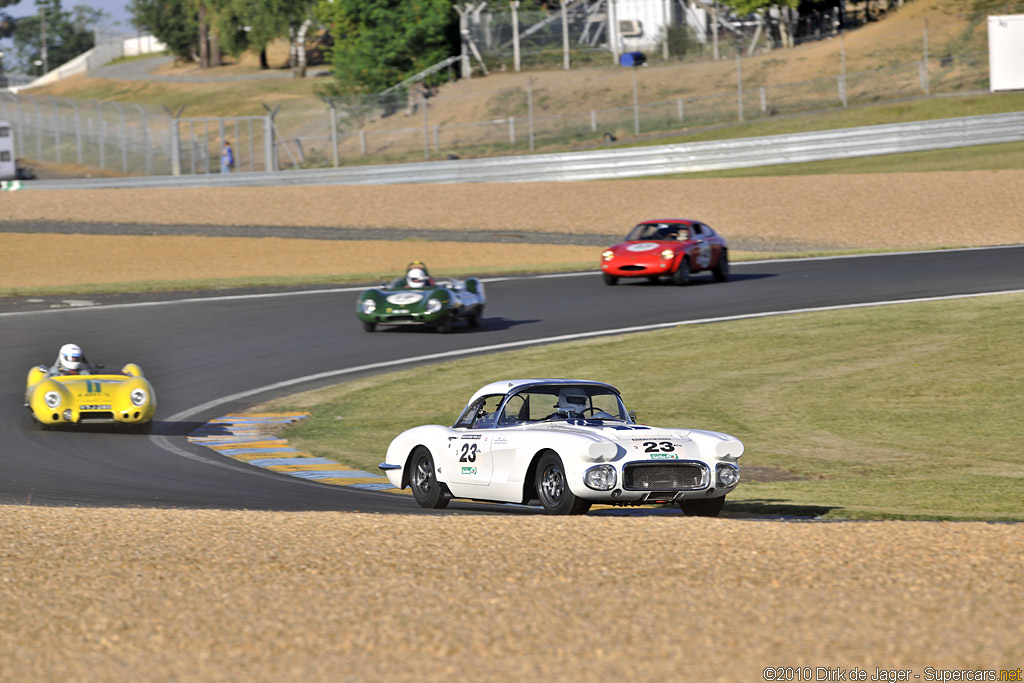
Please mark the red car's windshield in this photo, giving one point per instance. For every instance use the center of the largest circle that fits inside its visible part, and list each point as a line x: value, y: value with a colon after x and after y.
x: 659, y: 231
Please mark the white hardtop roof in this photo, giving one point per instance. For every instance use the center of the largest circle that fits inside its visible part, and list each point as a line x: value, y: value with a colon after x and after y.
x: 507, y: 386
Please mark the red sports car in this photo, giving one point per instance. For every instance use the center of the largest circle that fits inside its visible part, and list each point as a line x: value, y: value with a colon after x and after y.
x: 674, y: 247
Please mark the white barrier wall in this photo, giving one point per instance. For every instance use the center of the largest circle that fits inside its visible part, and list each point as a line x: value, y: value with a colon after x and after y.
x: 1006, y: 52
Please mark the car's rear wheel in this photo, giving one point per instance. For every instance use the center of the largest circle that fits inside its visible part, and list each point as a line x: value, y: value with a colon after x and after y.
x: 721, y: 269
x: 553, y: 488
x: 426, y: 489
x: 702, y: 507
x: 609, y: 279
x: 682, y: 275
x: 369, y: 327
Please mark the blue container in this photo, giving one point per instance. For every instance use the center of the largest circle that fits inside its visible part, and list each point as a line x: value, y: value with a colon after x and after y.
x: 632, y: 59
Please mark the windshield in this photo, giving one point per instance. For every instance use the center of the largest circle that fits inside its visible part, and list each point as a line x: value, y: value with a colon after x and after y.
x: 560, y: 402
x: 659, y: 231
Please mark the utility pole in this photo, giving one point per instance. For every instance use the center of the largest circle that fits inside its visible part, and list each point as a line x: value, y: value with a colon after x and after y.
x: 42, y: 38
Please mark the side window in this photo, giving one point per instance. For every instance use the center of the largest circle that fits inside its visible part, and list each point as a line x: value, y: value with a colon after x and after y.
x: 5, y: 132
x: 5, y: 156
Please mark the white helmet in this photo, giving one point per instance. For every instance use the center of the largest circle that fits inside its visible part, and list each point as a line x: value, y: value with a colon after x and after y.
x: 572, y: 401
x: 71, y: 357
x: 416, y: 277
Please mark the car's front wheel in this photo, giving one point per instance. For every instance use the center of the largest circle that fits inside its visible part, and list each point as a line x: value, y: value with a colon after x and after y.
x: 702, y: 507
x: 721, y: 269
x: 609, y: 279
x: 369, y: 327
x: 553, y: 488
x: 426, y: 489
x: 682, y: 275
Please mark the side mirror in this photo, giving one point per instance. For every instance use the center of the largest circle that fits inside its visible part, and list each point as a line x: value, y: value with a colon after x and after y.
x: 632, y: 416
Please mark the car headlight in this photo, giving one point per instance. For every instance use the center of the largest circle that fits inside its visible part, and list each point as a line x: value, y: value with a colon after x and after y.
x: 728, y: 475
x: 139, y: 396
x: 667, y: 254
x: 52, y: 399
x: 607, y: 255
x: 369, y: 306
x: 433, y: 306
x: 600, y: 478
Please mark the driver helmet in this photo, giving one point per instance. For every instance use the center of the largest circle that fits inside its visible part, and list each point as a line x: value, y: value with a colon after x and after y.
x: 572, y: 401
x: 71, y: 358
x: 416, y: 277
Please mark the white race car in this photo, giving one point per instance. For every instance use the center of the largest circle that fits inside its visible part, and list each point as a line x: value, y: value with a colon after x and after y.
x: 566, y: 444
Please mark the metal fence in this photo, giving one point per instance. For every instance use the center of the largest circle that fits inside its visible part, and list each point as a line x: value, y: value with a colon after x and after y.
x: 402, y: 125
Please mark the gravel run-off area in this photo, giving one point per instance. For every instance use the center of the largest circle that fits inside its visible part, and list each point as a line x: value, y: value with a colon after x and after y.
x: 881, y: 211
x: 201, y: 595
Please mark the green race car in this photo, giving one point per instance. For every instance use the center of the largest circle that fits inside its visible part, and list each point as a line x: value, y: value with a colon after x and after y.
x: 418, y: 299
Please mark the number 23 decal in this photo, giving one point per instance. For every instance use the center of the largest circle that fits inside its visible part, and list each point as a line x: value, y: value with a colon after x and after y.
x: 658, y: 446
x: 468, y: 452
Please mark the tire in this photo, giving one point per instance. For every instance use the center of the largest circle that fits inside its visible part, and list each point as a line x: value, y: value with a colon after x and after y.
x: 426, y: 489
x: 610, y: 280
x: 721, y: 269
x: 444, y: 326
x: 474, y: 317
x: 682, y: 275
x: 369, y: 327
x: 702, y: 507
x: 553, y: 489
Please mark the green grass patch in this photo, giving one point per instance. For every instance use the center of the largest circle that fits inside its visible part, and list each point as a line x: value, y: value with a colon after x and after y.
x: 895, y: 412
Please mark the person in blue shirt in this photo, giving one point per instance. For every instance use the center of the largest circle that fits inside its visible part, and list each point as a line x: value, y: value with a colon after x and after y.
x: 227, y: 158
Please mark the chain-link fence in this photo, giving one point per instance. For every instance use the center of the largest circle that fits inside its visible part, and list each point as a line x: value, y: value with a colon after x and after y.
x: 405, y: 124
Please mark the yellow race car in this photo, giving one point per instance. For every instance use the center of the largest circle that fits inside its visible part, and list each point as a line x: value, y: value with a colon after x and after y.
x: 124, y: 397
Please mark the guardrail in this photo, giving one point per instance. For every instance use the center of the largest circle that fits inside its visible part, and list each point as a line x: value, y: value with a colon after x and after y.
x: 631, y: 162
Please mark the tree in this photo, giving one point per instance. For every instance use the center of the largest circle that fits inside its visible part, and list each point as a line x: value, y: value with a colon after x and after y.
x: 68, y: 34
x: 378, y: 43
x: 173, y: 22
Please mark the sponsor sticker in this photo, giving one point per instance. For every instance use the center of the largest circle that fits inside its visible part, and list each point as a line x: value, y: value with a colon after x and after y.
x: 642, y: 246
x: 471, y: 436
x: 404, y: 298
x: 664, y: 456
x: 500, y: 441
x: 469, y: 470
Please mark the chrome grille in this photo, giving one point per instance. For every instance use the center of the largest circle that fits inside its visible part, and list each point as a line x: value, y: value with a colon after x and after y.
x: 664, y: 476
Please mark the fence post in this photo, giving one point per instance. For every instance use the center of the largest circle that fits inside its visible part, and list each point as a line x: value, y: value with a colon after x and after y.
x: 146, y: 162
x: 515, y: 34
x: 764, y: 100
x: 174, y: 140
x: 679, y: 108
x: 512, y: 131
x: 842, y: 73
x: 39, y: 130
x: 565, y: 36
x: 739, y: 86
x: 78, y: 131
x: 124, y: 138
x: 56, y: 129
x: 269, y: 149
x: 636, y: 106
x: 437, y: 137
x: 924, y: 62
x: 529, y: 106
x: 101, y: 125
x: 593, y: 121
x: 362, y: 142
x: 426, y: 126
x: 334, y: 131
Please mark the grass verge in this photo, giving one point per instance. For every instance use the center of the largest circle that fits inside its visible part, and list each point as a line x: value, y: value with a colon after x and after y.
x: 896, y: 412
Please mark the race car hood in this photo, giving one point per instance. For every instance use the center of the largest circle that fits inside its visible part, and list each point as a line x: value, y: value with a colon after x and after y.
x: 615, y: 439
x: 92, y: 388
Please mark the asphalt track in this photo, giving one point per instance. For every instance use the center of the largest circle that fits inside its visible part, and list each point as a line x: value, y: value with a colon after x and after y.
x: 209, y: 346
